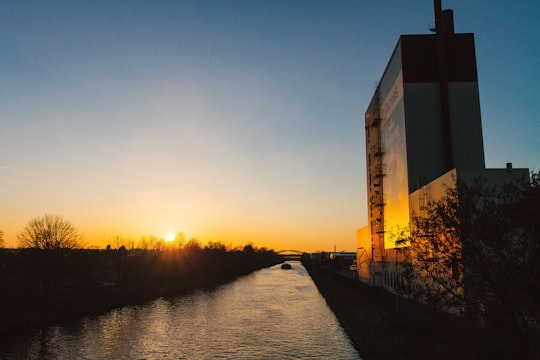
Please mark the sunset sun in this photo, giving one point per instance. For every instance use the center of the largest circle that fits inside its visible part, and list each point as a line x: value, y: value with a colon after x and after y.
x: 170, y: 236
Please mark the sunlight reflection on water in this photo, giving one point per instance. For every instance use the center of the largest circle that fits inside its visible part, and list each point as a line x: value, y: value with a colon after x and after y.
x: 270, y: 314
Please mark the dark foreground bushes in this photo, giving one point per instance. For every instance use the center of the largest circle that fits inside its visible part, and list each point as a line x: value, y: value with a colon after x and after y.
x: 381, y: 328
x: 39, y: 287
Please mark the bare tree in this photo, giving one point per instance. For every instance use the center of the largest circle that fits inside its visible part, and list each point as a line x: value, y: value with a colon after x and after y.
x: 192, y: 246
x: 49, y: 232
x: 435, y: 266
x: 480, y: 247
x: 2, y: 241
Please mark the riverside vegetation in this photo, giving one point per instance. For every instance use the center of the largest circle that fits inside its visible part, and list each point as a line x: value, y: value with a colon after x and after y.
x: 384, y: 326
x: 45, y: 286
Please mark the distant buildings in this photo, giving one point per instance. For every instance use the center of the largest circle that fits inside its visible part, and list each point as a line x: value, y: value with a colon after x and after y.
x: 423, y: 131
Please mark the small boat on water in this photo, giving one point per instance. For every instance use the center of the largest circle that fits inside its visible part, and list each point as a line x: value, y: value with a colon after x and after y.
x: 286, y: 266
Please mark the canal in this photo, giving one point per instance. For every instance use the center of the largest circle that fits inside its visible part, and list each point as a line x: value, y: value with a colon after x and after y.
x: 269, y: 314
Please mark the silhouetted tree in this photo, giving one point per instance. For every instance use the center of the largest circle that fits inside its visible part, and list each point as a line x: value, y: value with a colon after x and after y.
x: 192, y: 246
x: 216, y: 246
x: 49, y: 232
x: 2, y: 241
x: 479, y: 248
x: 435, y: 270
x: 248, y: 248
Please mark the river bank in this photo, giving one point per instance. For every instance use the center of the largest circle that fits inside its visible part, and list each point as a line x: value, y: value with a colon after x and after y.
x: 379, y: 333
x: 38, y: 289
x: 269, y: 314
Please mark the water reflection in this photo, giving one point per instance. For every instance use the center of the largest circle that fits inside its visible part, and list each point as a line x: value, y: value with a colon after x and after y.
x: 270, y: 314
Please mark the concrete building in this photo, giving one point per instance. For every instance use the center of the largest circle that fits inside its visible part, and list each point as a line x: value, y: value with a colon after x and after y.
x: 423, y: 131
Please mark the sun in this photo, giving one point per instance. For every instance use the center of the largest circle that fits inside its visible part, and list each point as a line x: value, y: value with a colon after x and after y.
x: 170, y: 236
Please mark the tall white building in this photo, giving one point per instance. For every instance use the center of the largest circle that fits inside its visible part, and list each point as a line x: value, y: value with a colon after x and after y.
x: 422, y: 124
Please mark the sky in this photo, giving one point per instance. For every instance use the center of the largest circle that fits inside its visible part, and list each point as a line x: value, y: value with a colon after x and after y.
x: 232, y: 121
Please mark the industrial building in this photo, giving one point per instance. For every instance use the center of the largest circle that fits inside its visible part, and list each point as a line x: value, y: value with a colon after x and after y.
x: 423, y: 132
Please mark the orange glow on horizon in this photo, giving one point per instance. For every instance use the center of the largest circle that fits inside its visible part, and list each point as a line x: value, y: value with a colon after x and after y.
x: 308, y: 232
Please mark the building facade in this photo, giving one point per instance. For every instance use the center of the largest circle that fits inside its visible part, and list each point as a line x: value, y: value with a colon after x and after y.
x: 423, y: 123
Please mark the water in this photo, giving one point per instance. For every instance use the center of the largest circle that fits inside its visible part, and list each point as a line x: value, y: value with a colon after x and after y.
x: 270, y: 314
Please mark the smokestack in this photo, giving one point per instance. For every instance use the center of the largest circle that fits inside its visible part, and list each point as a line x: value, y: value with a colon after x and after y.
x: 448, y: 21
x: 444, y: 19
x: 438, y: 15
x: 444, y: 25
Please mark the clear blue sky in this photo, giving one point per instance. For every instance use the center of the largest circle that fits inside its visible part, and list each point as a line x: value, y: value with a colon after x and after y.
x: 230, y: 121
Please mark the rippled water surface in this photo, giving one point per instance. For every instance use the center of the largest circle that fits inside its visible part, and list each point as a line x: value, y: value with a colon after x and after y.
x: 270, y: 314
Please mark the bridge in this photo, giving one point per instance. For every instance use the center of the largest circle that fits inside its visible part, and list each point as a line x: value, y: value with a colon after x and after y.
x: 290, y: 254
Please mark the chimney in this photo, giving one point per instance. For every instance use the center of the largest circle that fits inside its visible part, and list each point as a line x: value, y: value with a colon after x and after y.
x: 448, y: 21
x: 438, y: 14
x: 444, y: 19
